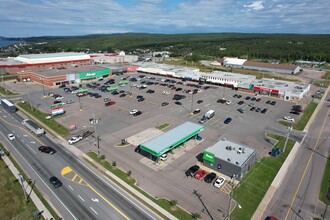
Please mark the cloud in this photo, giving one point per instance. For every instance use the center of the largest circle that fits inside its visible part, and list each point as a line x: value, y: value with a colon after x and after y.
x: 257, y: 5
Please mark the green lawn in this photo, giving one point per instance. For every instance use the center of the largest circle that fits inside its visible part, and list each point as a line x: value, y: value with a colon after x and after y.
x: 325, y: 184
x: 326, y: 76
x: 256, y: 183
x: 309, y: 110
x: 4, y: 91
x: 163, y: 126
x: 164, y: 203
x: 51, y: 123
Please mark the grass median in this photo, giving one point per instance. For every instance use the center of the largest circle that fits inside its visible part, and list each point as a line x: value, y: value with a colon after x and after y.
x: 164, y: 203
x: 255, y: 184
x: 12, y: 204
x: 51, y: 123
x: 4, y: 91
x: 325, y: 184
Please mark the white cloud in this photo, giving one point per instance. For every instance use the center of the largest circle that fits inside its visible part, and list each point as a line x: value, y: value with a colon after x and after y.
x: 257, y: 5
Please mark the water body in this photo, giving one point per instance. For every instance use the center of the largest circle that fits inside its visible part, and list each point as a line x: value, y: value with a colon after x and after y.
x: 4, y: 42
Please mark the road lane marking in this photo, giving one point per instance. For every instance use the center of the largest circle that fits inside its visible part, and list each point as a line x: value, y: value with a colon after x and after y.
x: 307, y: 166
x: 67, y: 170
x: 93, y: 210
x: 70, y: 187
x: 81, y: 198
x: 31, y: 149
x: 95, y: 200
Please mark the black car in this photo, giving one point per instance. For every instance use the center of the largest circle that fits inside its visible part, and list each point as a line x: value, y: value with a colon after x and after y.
x: 150, y: 91
x: 258, y: 109
x: 137, y: 149
x: 61, y: 86
x: 253, y: 98
x: 47, y: 150
x: 115, y: 92
x: 57, y: 102
x: 122, y: 95
x: 235, y: 96
x: 178, y: 103
x: 97, y: 96
x: 264, y: 111
x: 253, y: 109
x: 137, y: 113
x: 210, y: 177
x: 240, y: 102
x: 295, y: 112
x: 228, y: 120
x: 239, y: 96
x: 55, y: 181
x: 247, y: 98
x: 192, y: 170
x: 273, y: 103
x: 268, y: 102
x: 164, y: 103
x: 141, y: 99
x: 241, y: 110
x: 199, y: 101
x: 197, y: 111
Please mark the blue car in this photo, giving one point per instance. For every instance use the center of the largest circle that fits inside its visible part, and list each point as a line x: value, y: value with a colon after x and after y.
x: 228, y: 120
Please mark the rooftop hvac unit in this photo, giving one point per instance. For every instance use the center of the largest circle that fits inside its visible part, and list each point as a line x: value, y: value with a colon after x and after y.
x: 228, y: 159
x: 239, y: 152
x: 237, y: 163
x: 243, y: 150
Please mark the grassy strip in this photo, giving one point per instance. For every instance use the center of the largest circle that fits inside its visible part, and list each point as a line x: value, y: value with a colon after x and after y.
x: 51, y: 123
x: 300, y: 125
x: 326, y: 76
x: 4, y: 91
x: 164, y: 203
x: 18, y: 190
x: 322, y: 83
x: 256, y: 183
x: 163, y: 126
x: 325, y: 184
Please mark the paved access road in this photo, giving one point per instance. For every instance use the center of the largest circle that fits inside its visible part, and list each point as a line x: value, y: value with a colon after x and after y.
x: 84, y: 194
x: 297, y: 197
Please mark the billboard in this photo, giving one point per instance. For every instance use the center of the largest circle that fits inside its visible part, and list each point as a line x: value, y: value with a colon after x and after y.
x: 57, y: 109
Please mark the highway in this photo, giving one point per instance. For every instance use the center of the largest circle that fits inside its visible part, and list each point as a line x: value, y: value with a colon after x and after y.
x: 297, y: 197
x: 84, y: 194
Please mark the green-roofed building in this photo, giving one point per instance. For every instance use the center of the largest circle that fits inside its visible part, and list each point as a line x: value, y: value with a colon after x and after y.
x: 171, y: 139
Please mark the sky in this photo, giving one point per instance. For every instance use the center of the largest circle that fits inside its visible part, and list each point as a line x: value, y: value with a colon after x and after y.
x: 31, y: 18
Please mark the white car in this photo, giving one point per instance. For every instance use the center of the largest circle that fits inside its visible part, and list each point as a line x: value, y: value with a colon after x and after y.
x: 163, y: 157
x: 59, y: 97
x: 166, y: 93
x: 228, y: 102
x: 288, y: 118
x: 133, y: 111
x: 219, y: 182
x: 11, y: 137
x: 75, y: 139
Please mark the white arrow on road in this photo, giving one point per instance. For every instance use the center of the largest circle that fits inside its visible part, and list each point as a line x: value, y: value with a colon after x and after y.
x: 95, y: 200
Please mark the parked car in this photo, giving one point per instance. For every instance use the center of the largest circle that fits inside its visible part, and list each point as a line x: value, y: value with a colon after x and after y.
x: 235, y: 96
x: 109, y: 103
x: 199, y: 101
x: 164, y: 103
x: 192, y: 170
x: 163, y: 157
x: 133, y: 111
x: 150, y: 91
x: 288, y: 118
x: 258, y: 99
x: 268, y: 101
x: 239, y: 96
x: 59, y: 97
x: 241, y: 110
x: 106, y: 99
x: 196, y: 111
x: 258, y: 109
x: 178, y: 103
x: 200, y: 174
x: 210, y: 177
x: 273, y: 103
x: 69, y: 101
x: 228, y: 120
x: 247, y: 98
x: 253, y: 109
x: 240, y: 103
x: 228, y: 102
x: 253, y: 98
x: 264, y: 111
x: 57, y: 102
x: 137, y: 113
x: 122, y: 95
x: 47, y: 150
x: 74, y: 139
x: 55, y: 181
x: 141, y: 99
x: 219, y: 182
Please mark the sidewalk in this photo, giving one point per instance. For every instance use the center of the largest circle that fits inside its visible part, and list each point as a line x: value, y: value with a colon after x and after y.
x: 282, y: 172
x: 28, y: 191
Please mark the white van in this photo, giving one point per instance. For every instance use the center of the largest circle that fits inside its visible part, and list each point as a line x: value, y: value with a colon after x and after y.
x: 209, y: 114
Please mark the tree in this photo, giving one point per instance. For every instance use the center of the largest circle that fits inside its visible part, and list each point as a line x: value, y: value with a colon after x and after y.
x: 195, y: 215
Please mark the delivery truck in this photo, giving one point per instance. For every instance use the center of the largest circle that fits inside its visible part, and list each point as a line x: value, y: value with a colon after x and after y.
x: 33, y: 127
x: 8, y: 105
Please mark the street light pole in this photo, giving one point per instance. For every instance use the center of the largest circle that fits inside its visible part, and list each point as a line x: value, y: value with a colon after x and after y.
x: 192, y: 103
x: 231, y: 195
x: 43, y: 86
x: 96, y: 135
x: 287, y: 137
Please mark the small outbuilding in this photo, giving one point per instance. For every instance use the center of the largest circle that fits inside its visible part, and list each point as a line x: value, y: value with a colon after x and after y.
x: 229, y: 158
x: 169, y: 140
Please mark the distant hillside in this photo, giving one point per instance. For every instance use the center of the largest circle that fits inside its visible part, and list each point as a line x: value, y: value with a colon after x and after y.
x: 285, y: 47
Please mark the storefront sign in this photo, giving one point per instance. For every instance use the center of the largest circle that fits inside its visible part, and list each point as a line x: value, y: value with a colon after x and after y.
x: 208, y: 157
x: 94, y: 74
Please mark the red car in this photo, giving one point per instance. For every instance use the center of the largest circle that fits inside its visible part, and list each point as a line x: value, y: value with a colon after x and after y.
x: 81, y: 94
x: 200, y: 174
x: 110, y: 103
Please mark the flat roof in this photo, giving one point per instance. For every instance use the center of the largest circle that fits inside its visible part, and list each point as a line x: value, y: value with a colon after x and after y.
x: 231, y: 152
x: 52, y: 55
x: 172, y: 138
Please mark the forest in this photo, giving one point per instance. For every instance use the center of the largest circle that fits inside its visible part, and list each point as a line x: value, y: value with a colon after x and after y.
x: 284, y: 47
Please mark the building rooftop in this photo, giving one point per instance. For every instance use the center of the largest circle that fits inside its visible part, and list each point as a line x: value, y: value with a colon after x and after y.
x: 231, y: 152
x: 270, y: 65
x: 52, y: 55
x: 230, y: 76
x: 162, y: 143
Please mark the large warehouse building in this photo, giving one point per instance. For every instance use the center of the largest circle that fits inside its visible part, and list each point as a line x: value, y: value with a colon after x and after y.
x: 171, y: 139
x: 229, y: 158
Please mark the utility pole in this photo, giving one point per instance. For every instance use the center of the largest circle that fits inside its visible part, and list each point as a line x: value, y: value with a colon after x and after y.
x: 287, y: 137
x: 80, y: 105
x: 192, y: 103
x: 43, y: 86
x: 3, y: 82
x: 96, y: 135
x: 28, y: 93
x: 21, y: 180
x: 231, y: 195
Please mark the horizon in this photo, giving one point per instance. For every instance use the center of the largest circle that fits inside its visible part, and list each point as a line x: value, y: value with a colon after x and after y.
x: 35, y: 18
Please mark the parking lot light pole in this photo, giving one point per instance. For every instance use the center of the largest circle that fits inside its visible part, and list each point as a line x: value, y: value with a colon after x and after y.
x: 192, y: 103
x: 231, y: 195
x: 80, y: 105
x: 43, y: 86
x: 96, y: 135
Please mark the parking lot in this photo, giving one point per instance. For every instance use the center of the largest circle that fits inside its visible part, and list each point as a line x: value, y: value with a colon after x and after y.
x: 116, y: 123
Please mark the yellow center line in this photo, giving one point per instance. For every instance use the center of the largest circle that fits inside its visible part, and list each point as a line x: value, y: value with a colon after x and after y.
x: 28, y: 132
x: 306, y: 168
x: 114, y: 207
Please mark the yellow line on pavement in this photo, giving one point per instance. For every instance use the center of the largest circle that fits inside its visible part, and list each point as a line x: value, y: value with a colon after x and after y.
x: 308, y: 163
x: 74, y: 177
x: 27, y: 131
x: 66, y: 170
x: 114, y: 207
x: 81, y: 179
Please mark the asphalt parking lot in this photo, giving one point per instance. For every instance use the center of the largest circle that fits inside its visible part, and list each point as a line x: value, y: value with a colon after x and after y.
x: 170, y: 182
